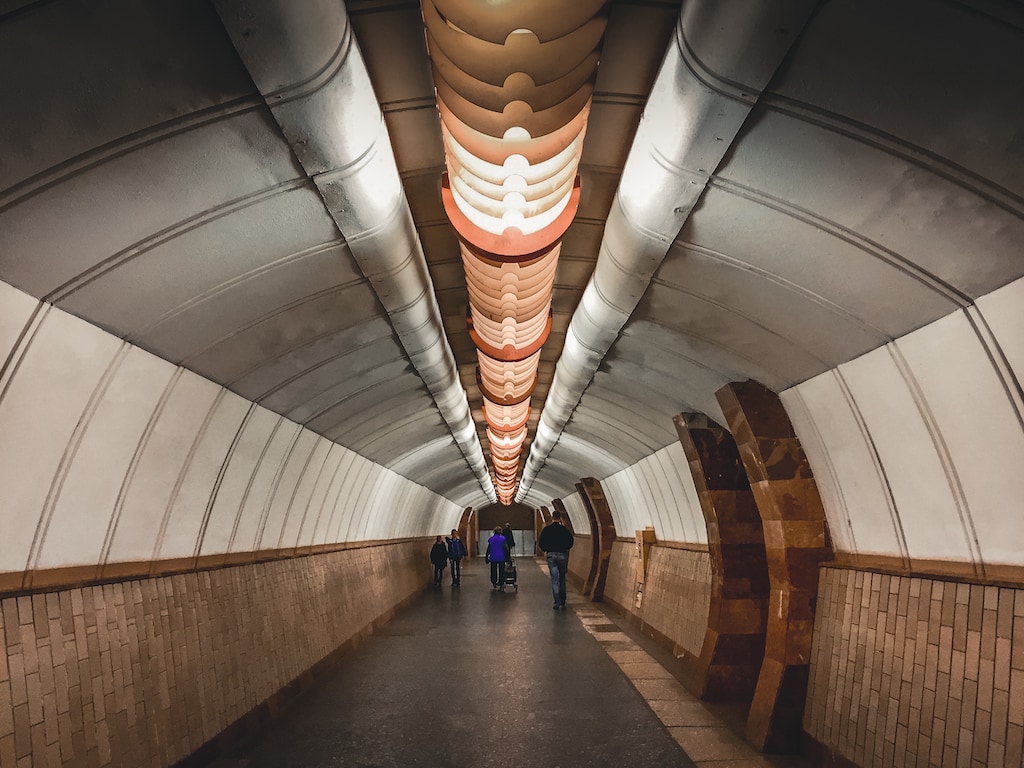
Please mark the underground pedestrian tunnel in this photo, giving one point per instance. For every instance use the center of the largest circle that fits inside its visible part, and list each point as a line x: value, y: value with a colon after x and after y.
x: 289, y: 288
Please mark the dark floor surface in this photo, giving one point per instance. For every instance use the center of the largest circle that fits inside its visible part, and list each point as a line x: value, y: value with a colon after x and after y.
x: 468, y: 677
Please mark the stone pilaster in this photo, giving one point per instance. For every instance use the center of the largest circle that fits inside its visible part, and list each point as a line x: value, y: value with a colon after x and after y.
x: 566, y: 520
x: 469, y: 530
x: 730, y: 659
x: 796, y: 543
x: 603, y: 529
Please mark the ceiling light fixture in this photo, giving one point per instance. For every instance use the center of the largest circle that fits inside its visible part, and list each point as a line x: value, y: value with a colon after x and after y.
x: 514, y: 84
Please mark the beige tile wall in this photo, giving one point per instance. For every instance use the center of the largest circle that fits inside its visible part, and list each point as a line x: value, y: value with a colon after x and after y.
x: 917, y: 671
x: 676, y: 594
x: 144, y: 672
x: 581, y: 556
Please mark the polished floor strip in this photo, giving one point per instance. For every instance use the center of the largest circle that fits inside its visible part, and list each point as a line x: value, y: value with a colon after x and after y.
x: 702, y: 734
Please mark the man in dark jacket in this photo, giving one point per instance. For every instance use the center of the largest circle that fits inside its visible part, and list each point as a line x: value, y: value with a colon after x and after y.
x: 456, y: 551
x: 439, y: 559
x: 510, y: 540
x: 556, y: 540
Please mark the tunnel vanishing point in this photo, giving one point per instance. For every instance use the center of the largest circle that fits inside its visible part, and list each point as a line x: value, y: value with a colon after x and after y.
x: 288, y: 287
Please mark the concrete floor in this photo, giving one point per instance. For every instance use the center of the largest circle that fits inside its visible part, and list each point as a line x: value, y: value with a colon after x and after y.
x: 471, y: 677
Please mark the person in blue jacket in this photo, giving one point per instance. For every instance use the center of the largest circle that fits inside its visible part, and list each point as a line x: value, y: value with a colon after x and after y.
x: 456, y: 551
x: 497, y: 555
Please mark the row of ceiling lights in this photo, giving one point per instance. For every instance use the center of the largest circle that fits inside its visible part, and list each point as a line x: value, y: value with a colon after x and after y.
x: 514, y: 83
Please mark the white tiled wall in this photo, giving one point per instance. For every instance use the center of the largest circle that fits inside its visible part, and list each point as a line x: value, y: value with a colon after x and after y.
x: 657, y: 491
x: 109, y: 454
x: 918, y: 446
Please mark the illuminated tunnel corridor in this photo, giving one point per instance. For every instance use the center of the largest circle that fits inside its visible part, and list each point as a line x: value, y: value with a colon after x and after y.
x: 290, y: 287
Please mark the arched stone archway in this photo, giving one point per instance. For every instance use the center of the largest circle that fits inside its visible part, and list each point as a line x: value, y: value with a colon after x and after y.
x: 796, y: 543
x: 602, y: 527
x: 733, y: 648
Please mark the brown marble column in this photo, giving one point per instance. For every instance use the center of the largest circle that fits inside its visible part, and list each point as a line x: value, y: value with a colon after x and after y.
x: 730, y: 658
x: 796, y: 542
x: 579, y: 557
x: 469, y: 530
x: 595, y: 542
x: 566, y: 520
x: 603, y: 529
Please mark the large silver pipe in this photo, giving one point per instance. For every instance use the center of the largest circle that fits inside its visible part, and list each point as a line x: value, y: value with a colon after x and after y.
x: 722, y: 56
x: 304, y: 59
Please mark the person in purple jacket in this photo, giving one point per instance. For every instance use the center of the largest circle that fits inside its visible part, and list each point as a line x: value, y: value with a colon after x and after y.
x: 496, y: 555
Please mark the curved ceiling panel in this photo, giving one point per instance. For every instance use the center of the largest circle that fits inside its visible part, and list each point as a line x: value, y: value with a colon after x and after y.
x: 408, y: 104
x: 819, y: 219
x: 252, y: 191
x: 160, y: 65
x: 154, y: 192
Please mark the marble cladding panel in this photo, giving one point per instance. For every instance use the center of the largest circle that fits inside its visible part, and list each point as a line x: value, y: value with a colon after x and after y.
x: 796, y: 541
x: 739, y: 538
x: 730, y: 660
x: 144, y: 672
x: 908, y: 670
x: 676, y: 594
x: 597, y: 503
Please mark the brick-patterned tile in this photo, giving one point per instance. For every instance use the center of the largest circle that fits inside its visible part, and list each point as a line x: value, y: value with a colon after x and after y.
x: 5, y: 674
x: 1014, y: 745
x: 980, y: 729
x: 8, y: 754
x: 1015, y: 715
x: 996, y: 755
x: 933, y: 679
x: 6, y: 711
x: 9, y: 610
x: 1004, y: 624
x: 85, y: 667
x: 22, y: 730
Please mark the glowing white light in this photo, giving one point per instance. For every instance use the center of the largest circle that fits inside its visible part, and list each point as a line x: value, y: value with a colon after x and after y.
x: 516, y: 133
x: 516, y: 164
x: 514, y: 201
x: 515, y: 219
x: 515, y: 183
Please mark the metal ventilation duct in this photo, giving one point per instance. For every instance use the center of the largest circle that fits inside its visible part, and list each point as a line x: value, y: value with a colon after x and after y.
x: 514, y: 87
x: 321, y: 97
x: 722, y: 56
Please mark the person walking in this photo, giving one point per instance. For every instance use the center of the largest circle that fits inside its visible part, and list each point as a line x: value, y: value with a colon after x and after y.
x: 456, y: 551
x: 555, y: 541
x: 439, y: 559
x: 496, y: 555
x: 510, y: 539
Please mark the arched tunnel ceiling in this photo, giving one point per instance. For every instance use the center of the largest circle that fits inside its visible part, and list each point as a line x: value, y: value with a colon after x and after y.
x: 865, y: 181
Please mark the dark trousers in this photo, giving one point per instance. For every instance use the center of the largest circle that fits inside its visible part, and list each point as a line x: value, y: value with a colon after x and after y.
x: 456, y: 570
x: 438, y: 572
x: 558, y: 564
x: 497, y: 571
